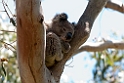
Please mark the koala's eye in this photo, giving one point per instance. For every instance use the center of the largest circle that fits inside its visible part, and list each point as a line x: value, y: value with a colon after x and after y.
x: 63, y: 29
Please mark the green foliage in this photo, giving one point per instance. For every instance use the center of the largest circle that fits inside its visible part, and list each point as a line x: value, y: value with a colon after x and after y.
x: 9, y: 72
x: 108, y: 66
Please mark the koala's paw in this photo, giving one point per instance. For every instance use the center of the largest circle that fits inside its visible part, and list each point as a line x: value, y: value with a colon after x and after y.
x: 53, y: 49
x: 48, y: 63
x: 65, y: 47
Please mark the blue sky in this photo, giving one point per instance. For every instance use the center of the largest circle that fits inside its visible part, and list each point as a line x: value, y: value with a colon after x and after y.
x: 107, y: 21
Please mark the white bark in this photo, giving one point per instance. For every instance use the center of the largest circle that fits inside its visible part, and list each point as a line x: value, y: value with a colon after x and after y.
x: 100, y: 46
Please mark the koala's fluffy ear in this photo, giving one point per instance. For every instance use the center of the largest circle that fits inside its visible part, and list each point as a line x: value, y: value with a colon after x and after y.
x: 73, y: 23
x: 60, y: 17
x: 63, y: 16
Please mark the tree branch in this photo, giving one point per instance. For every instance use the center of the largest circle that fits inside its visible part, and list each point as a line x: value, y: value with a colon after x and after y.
x: 100, y: 46
x: 115, y: 5
x: 85, y: 23
x: 82, y: 32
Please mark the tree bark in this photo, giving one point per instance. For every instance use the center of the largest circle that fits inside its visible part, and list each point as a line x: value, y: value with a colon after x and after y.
x: 31, y: 40
x: 115, y: 5
x: 100, y: 46
x: 31, y: 43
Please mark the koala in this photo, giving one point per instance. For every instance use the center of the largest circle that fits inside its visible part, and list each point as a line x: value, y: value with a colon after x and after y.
x: 58, y: 35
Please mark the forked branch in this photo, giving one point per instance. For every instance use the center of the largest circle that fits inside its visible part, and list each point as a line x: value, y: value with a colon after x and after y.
x: 82, y: 32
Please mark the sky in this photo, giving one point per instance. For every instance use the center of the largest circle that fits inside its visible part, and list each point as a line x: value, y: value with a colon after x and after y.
x: 80, y: 69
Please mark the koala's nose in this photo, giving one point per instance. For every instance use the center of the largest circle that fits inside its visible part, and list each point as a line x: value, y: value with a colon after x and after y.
x: 68, y: 36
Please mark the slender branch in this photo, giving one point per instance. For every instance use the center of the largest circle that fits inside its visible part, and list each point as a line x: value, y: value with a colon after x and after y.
x: 8, y: 31
x: 100, y: 46
x: 5, y: 9
x: 8, y: 44
x: 9, y: 9
x: 11, y: 19
x: 115, y: 5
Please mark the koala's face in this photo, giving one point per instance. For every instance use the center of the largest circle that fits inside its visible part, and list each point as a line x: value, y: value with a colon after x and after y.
x: 62, y: 27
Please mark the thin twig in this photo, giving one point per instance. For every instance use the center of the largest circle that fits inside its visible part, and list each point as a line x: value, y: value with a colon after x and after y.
x: 68, y: 65
x: 8, y: 31
x: 8, y: 9
x: 8, y: 44
x: 11, y: 19
x: 13, y: 42
x: 5, y: 8
x: 2, y: 11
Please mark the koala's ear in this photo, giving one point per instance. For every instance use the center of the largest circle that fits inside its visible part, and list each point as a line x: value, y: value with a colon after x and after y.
x: 73, y: 23
x: 63, y: 16
x: 60, y: 17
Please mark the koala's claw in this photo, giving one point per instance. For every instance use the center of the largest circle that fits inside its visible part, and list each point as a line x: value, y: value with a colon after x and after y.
x: 65, y: 47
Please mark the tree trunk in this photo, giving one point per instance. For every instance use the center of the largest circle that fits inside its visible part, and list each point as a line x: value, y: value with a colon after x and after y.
x: 31, y: 40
